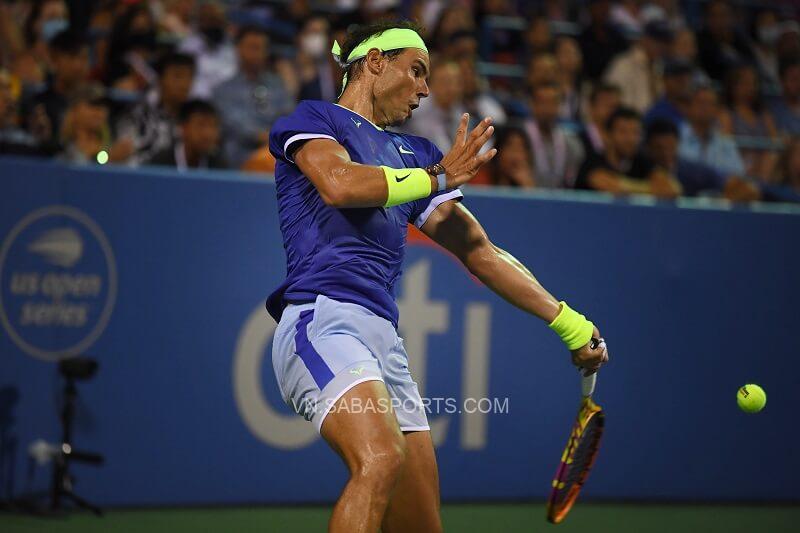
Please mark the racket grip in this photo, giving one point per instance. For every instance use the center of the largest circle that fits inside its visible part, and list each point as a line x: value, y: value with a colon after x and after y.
x: 587, y: 384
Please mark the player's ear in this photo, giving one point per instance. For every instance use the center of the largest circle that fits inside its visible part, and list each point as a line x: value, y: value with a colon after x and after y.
x: 375, y: 61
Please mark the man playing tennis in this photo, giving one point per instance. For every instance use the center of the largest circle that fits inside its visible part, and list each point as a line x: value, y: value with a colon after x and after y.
x: 347, y: 189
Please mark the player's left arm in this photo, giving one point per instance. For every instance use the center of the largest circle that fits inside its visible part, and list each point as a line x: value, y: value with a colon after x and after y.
x: 452, y: 226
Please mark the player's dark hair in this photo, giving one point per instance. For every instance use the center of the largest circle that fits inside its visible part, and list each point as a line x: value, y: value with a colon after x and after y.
x: 361, y: 32
x: 196, y: 107
x: 661, y: 127
x: 175, y: 59
x: 68, y: 42
x: 622, y: 113
x: 249, y: 29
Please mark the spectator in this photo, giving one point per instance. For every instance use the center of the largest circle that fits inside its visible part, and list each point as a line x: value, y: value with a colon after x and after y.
x: 695, y: 178
x: 720, y: 44
x: 538, y: 38
x: 701, y: 140
x: 637, y: 71
x: 622, y: 169
x: 198, y: 144
x: 252, y: 99
x: 785, y: 109
x: 557, y: 154
x: 677, y: 91
x: 177, y: 19
x: 318, y: 72
x: 438, y: 115
x: 69, y: 53
x: 152, y: 123
x: 86, y: 134
x: 13, y: 139
x: 745, y: 117
x: 788, y: 45
x: 627, y: 16
x: 463, y: 43
x: 788, y: 169
x: 666, y: 10
x: 131, y: 49
x: 764, y: 33
x: 46, y: 19
x: 600, y: 41
x: 211, y: 48
x: 478, y: 100
x: 513, y: 164
x: 570, y: 66
x: 684, y: 49
x: 453, y: 18
x: 604, y: 100
x: 542, y: 69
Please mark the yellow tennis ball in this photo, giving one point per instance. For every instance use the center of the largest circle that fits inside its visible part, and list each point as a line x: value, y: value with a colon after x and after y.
x: 751, y: 398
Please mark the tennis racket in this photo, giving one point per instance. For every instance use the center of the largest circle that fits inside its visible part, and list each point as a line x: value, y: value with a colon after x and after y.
x: 580, y: 453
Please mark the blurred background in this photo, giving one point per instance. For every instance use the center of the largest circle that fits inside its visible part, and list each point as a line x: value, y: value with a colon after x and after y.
x: 648, y: 167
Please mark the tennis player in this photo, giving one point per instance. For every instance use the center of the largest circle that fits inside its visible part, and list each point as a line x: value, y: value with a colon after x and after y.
x: 347, y: 189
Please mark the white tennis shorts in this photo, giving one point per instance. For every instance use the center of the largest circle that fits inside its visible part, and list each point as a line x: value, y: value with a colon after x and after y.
x: 323, y: 349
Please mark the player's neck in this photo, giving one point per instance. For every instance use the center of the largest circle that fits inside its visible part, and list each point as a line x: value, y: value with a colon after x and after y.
x: 358, y: 99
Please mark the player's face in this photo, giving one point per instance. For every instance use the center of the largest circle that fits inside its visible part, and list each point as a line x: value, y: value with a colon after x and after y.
x: 401, y: 85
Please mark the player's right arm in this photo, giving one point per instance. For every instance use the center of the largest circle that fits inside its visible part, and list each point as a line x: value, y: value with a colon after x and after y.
x: 342, y: 182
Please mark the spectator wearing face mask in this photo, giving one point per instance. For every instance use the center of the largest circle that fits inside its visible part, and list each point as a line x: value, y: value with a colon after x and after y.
x: 213, y: 52
x: 45, y: 20
x: 316, y: 66
x: 252, y: 99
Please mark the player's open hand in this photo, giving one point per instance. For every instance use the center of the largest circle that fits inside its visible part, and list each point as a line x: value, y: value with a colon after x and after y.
x: 591, y: 358
x: 464, y: 159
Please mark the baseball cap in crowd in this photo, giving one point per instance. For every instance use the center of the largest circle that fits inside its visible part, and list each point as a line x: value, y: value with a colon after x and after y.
x: 659, y: 30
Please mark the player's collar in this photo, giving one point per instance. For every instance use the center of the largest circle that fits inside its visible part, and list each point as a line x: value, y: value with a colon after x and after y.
x: 362, y: 116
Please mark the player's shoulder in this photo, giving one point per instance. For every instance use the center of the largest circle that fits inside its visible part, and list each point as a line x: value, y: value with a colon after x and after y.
x: 311, y: 108
x: 419, y: 145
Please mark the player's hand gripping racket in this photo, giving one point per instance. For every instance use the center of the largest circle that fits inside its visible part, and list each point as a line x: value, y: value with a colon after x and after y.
x: 580, y: 453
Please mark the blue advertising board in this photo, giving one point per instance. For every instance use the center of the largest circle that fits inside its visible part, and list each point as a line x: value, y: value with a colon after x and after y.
x: 162, y: 277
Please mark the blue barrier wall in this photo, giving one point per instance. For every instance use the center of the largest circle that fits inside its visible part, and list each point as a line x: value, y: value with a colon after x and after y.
x: 162, y: 278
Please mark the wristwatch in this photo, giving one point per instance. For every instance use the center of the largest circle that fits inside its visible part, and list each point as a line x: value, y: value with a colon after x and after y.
x: 441, y: 175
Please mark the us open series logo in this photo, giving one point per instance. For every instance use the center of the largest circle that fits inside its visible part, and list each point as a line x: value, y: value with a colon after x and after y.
x: 59, y: 282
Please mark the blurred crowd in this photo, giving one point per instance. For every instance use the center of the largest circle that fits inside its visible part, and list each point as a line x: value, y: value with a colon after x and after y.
x: 663, y: 97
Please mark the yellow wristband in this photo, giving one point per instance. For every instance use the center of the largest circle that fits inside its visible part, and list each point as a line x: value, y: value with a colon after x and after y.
x: 406, y: 185
x: 572, y: 327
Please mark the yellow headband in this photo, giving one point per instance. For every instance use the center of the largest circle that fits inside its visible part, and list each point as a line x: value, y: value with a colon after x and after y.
x: 392, y: 39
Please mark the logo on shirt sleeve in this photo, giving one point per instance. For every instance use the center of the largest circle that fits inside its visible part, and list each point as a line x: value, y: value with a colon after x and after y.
x: 356, y: 122
x: 404, y: 151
